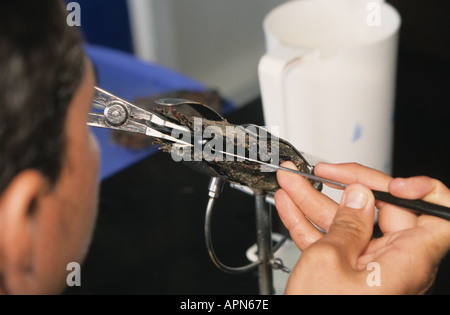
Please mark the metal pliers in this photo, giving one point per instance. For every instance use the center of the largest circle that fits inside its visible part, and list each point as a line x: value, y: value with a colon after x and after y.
x: 121, y: 115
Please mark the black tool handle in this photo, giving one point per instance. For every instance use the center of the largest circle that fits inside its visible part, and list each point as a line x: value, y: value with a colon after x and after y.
x: 419, y: 206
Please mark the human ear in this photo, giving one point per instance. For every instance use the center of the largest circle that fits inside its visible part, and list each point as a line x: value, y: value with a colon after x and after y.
x: 17, y: 210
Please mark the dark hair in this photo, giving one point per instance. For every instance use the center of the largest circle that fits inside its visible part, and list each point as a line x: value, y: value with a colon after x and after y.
x: 41, y: 67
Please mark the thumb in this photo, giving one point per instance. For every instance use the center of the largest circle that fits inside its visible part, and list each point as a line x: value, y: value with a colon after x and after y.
x: 352, y: 226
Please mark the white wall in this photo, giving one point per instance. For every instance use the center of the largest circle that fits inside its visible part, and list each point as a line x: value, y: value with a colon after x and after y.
x: 218, y: 42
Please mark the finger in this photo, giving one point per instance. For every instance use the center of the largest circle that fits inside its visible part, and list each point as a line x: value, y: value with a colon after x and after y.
x: 393, y: 219
x: 390, y: 218
x: 316, y: 206
x: 302, y: 232
x: 420, y: 187
x: 350, y: 173
x: 352, y: 226
x: 431, y: 190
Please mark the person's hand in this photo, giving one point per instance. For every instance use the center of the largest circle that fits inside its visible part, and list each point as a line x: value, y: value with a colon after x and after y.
x: 346, y: 260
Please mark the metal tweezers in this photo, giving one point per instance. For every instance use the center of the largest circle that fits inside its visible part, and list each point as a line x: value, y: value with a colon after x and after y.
x: 121, y: 115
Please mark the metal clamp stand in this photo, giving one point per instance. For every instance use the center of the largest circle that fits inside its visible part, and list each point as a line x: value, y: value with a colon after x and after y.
x: 266, y: 261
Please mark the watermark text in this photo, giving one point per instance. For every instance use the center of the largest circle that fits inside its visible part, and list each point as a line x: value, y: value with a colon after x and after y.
x: 374, y: 277
x: 74, y: 14
x: 73, y: 279
x: 229, y: 143
x: 374, y: 16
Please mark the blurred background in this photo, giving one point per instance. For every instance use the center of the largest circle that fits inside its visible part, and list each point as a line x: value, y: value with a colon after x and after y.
x: 219, y: 42
x: 213, y: 41
x: 158, y: 246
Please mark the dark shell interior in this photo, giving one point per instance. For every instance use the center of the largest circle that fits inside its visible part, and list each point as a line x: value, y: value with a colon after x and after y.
x: 245, y: 173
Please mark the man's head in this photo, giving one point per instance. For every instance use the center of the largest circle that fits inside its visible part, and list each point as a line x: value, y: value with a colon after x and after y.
x: 48, y: 159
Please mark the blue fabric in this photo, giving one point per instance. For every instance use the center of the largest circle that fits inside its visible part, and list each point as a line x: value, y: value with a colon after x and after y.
x: 106, y: 23
x: 129, y: 78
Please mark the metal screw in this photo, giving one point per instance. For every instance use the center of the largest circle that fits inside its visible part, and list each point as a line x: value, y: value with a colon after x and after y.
x: 277, y: 263
x: 116, y: 114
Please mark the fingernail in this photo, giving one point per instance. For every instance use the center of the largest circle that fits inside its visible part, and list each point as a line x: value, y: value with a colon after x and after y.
x: 355, y: 199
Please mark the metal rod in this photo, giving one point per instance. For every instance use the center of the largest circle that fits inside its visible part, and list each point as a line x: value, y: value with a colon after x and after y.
x: 215, y: 188
x: 264, y: 242
x: 210, y: 248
